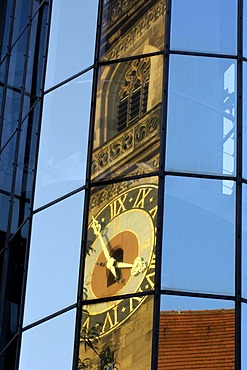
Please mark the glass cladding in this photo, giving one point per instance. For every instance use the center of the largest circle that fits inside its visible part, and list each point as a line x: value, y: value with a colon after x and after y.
x: 128, y: 113
x: 54, y: 258
x: 201, y: 115
x: 122, y: 331
x: 199, y: 235
x: 245, y: 29
x: 196, y: 333
x: 147, y: 31
x: 72, y: 39
x: 244, y: 241
x: 192, y: 20
x: 64, y: 140
x: 55, y: 337
x: 244, y: 120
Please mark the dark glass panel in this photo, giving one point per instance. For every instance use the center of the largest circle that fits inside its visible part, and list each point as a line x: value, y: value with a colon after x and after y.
x: 201, y: 132
x: 6, y: 7
x: 11, y: 115
x: 54, y: 258
x: 120, y: 333
x: 8, y: 357
x: 199, y: 235
x: 127, y: 120
x: 55, y: 338
x: 35, y: 66
x: 2, y: 71
x: 208, y: 26
x: 21, y: 17
x: 121, y: 245
x: 132, y: 27
x: 14, y: 261
x: 7, y: 158
x: 17, y: 60
x: 196, y: 334
x: 64, y: 140
x: 4, y: 211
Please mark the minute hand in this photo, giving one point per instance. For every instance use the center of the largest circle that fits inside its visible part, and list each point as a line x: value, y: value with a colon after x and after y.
x: 110, y: 261
x: 124, y: 265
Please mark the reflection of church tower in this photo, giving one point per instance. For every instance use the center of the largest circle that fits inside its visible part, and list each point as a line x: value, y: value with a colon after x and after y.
x: 129, y: 93
x: 126, y: 142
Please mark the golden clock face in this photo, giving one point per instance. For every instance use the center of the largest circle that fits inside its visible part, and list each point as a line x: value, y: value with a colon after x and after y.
x: 122, y: 261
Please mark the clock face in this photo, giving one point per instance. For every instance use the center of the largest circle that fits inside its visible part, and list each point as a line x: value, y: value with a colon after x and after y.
x: 122, y: 260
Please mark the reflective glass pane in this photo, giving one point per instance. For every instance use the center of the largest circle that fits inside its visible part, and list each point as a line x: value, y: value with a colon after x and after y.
x: 196, y: 334
x: 244, y: 336
x: 11, y: 115
x: 6, y: 165
x: 244, y: 241
x: 207, y: 26
x: 4, y: 209
x: 17, y: 60
x: 199, y: 235
x: 49, y: 345
x: 72, y: 39
x: 64, y: 140
x: 127, y: 121
x: 245, y: 29
x: 121, y: 239
x: 244, y: 120
x: 201, y: 115
x: 122, y: 333
x: 54, y: 258
x: 8, y: 357
x: 132, y: 28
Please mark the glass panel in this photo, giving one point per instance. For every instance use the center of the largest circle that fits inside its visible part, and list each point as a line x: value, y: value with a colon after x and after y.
x: 8, y: 357
x: 16, y: 67
x: 54, y: 258
x: 121, y: 333
x: 55, y: 339
x: 196, y: 334
x: 7, y: 157
x: 121, y: 239
x: 201, y: 115
x: 5, y: 21
x: 64, y: 140
x: 132, y: 28
x: 4, y: 210
x: 127, y: 122
x: 199, y: 235
x: 21, y: 17
x: 244, y: 120
x: 15, y: 256
x: 208, y: 26
x: 244, y: 242
x: 11, y: 115
x: 244, y: 336
x: 69, y: 52
x: 245, y: 29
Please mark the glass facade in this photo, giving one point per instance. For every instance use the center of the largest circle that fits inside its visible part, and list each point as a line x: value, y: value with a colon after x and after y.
x: 123, y: 179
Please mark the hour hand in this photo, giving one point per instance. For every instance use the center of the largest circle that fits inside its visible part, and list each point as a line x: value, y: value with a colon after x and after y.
x: 110, y: 261
x: 124, y: 265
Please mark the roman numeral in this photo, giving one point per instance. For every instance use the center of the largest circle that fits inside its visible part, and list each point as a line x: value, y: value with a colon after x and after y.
x: 133, y: 302
x: 152, y: 263
x: 118, y: 206
x: 149, y: 279
x: 153, y: 211
x: 141, y: 196
x: 111, y: 319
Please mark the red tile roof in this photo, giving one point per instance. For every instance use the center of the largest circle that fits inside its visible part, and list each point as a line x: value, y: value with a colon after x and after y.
x: 196, y: 340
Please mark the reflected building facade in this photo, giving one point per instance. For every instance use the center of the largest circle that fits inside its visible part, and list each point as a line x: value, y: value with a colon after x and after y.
x: 123, y: 195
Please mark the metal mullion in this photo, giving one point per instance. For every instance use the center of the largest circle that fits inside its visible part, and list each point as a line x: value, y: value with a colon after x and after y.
x: 161, y: 191
x: 87, y: 189
x: 238, y: 237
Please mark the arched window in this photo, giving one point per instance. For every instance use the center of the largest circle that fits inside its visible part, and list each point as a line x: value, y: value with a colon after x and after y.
x: 133, y: 94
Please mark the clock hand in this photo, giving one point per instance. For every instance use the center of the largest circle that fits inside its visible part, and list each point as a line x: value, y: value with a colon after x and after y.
x: 137, y: 267
x: 110, y: 261
x: 123, y: 265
